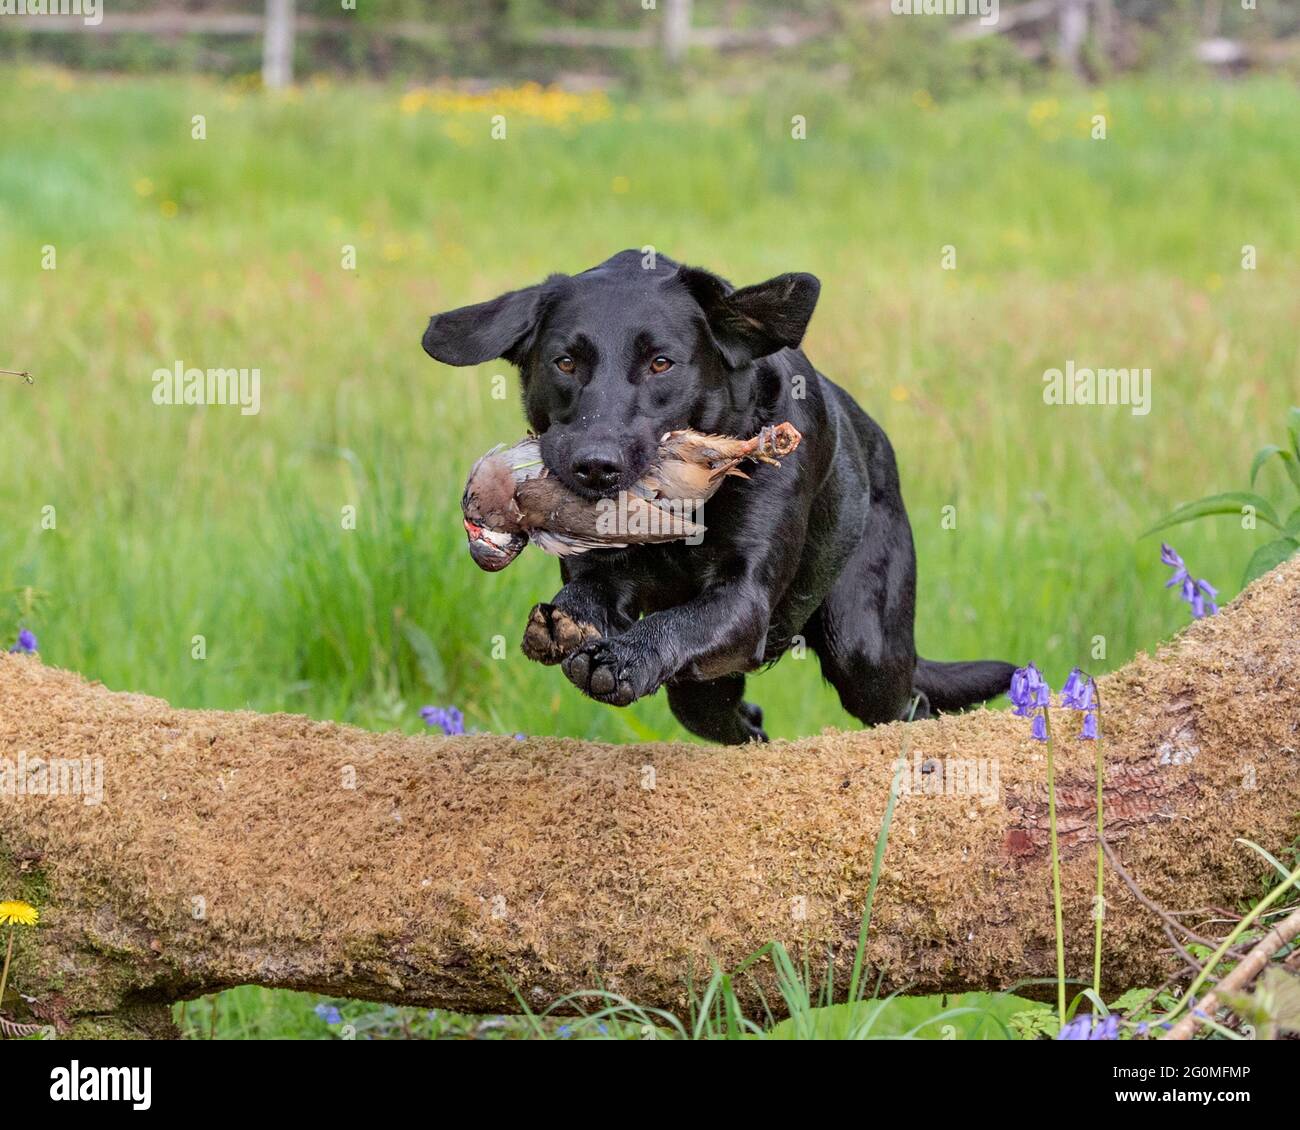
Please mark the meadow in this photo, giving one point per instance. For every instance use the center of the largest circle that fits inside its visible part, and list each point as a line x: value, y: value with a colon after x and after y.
x: 205, y: 556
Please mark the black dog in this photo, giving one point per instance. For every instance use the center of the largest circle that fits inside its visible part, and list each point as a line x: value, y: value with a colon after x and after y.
x: 613, y: 358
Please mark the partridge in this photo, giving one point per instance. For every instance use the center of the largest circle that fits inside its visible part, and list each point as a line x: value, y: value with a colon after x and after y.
x: 512, y: 498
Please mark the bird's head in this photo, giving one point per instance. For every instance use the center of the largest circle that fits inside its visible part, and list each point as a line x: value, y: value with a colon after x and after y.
x: 493, y: 523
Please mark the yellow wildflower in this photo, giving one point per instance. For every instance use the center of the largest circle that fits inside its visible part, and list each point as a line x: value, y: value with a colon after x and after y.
x: 17, y: 913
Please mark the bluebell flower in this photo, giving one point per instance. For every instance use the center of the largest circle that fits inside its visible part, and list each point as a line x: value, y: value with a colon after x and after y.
x: 1108, y: 1029
x: 1197, y: 592
x: 1030, y: 695
x: 1083, y: 1028
x: 26, y: 644
x: 446, y: 718
x: 1079, y: 693
x: 1077, y: 1029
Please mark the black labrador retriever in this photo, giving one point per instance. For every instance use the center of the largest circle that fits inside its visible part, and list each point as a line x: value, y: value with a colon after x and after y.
x: 819, y: 550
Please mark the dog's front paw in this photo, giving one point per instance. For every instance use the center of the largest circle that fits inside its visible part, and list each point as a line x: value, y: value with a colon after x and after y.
x: 607, y: 671
x: 552, y: 634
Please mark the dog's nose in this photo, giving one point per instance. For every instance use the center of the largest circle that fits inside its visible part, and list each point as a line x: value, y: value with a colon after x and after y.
x: 599, y: 467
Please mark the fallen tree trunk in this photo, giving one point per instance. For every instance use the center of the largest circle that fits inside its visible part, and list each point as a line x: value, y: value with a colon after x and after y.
x: 234, y: 848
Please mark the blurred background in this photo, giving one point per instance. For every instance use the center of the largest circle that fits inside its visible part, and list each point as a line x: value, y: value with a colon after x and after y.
x: 630, y: 41
x: 295, y: 188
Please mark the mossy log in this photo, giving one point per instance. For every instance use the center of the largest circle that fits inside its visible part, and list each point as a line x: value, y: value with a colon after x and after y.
x: 238, y: 848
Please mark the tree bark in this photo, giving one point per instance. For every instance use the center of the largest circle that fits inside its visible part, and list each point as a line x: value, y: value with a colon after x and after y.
x: 233, y: 848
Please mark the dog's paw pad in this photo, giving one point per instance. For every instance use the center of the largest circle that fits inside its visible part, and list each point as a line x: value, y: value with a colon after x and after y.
x: 553, y: 634
x: 571, y: 634
x: 595, y: 670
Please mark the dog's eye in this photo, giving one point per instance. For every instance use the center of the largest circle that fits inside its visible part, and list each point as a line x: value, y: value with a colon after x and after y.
x: 660, y: 365
x: 565, y: 364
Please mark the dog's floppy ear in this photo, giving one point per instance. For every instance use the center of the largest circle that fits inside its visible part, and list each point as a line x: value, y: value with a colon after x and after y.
x: 501, y: 327
x: 756, y: 320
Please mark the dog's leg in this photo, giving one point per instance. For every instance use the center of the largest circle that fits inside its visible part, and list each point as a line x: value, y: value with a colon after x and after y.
x: 862, y: 633
x: 581, y: 611
x: 719, y: 632
x: 872, y: 688
x: 715, y: 710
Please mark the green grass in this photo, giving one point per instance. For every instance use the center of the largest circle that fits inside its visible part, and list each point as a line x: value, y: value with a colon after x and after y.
x: 174, y: 522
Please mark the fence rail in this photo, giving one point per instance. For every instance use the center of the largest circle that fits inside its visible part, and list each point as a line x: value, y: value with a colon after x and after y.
x: 673, y: 33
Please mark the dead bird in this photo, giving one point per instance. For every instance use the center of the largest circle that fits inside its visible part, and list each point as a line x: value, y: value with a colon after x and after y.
x: 511, y: 497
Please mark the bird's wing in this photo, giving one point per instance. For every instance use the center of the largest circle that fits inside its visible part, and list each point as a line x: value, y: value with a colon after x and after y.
x: 566, y: 545
x: 646, y: 522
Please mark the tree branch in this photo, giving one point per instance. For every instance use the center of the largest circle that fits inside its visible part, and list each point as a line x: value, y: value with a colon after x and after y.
x: 234, y: 848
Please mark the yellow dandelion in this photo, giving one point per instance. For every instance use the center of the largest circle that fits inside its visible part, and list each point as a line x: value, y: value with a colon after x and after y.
x: 13, y: 912
x: 899, y: 393
x: 144, y: 187
x: 923, y: 100
x: 168, y: 208
x: 620, y: 184
x: 16, y: 913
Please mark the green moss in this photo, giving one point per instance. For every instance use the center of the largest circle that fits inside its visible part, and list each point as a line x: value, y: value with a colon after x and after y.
x: 134, y: 1022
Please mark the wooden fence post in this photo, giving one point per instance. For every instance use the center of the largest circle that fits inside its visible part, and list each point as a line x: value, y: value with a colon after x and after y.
x: 677, y: 30
x: 277, y: 45
x: 1072, y: 30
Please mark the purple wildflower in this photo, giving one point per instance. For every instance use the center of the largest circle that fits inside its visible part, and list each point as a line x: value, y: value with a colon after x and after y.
x: 1108, y: 1029
x: 1083, y: 1028
x: 446, y: 718
x: 1080, y: 693
x: 1196, y: 592
x: 329, y: 1013
x: 26, y: 643
x: 1077, y: 1029
x: 1030, y: 695
x: 1077, y: 692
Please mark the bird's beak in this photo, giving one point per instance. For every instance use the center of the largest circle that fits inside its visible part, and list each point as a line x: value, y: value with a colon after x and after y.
x: 493, y: 550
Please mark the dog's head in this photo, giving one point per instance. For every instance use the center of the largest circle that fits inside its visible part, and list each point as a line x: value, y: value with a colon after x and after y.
x: 613, y: 358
